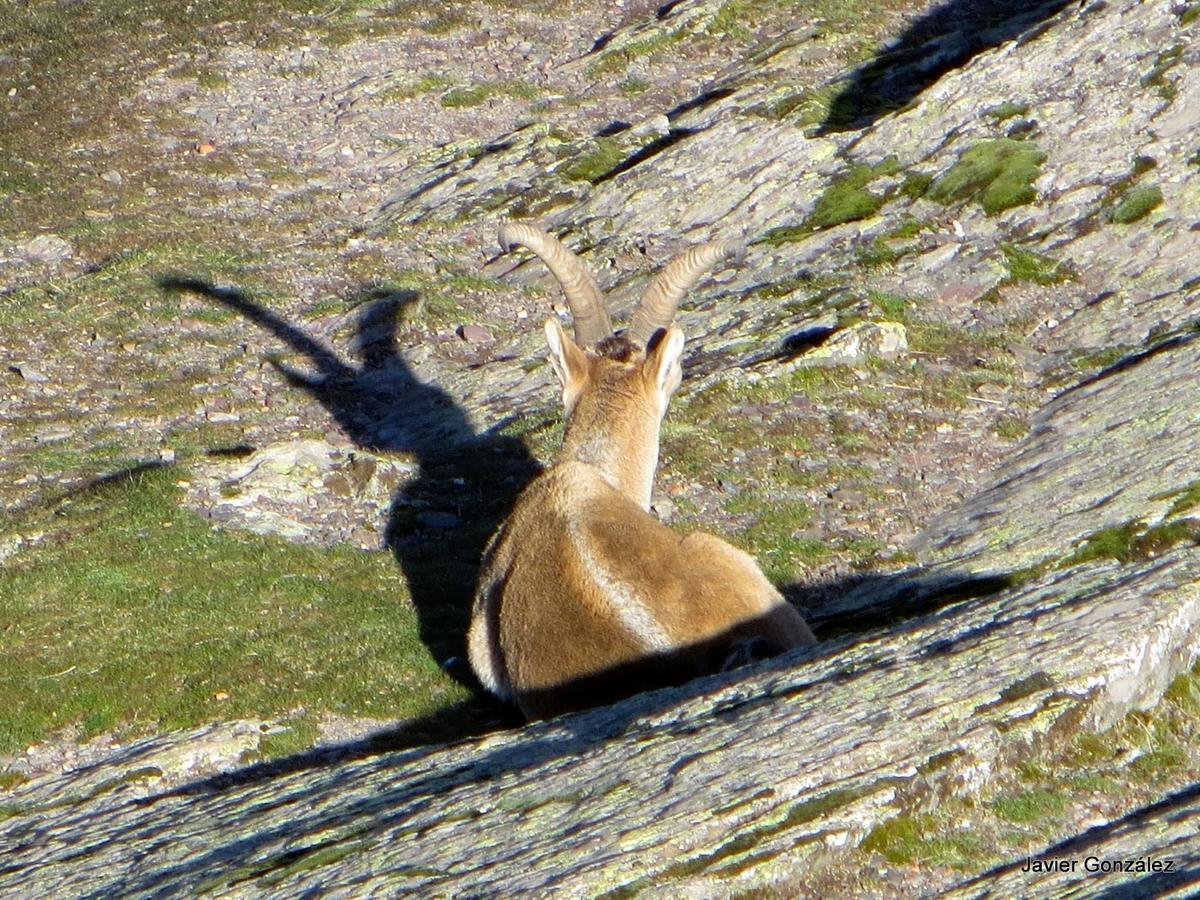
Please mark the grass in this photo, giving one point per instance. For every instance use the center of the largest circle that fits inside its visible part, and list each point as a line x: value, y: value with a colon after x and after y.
x: 998, y: 174
x: 773, y: 540
x: 616, y: 61
x: 135, y: 615
x: 1134, y: 541
x: 79, y: 61
x: 1011, y: 428
x: 406, y: 90
x: 477, y: 94
x: 883, y: 250
x: 847, y: 199
x: 1035, y: 268
x: 1103, y: 358
x: 925, y: 839
x: 1039, y: 803
x: 1184, y: 499
x: 125, y: 286
x: 756, y: 460
x: 1031, y: 806
x: 634, y: 86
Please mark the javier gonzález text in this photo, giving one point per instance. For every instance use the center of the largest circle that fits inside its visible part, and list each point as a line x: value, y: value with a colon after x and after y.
x: 1098, y: 864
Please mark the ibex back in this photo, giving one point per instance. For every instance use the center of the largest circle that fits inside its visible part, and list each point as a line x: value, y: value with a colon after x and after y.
x: 585, y: 597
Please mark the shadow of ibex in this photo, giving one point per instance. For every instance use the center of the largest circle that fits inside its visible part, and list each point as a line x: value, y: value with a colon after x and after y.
x: 472, y: 478
x: 942, y: 39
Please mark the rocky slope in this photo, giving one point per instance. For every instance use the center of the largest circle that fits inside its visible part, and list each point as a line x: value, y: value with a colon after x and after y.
x: 1027, y: 183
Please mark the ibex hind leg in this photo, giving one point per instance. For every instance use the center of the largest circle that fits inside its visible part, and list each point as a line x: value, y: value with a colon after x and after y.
x: 767, y: 614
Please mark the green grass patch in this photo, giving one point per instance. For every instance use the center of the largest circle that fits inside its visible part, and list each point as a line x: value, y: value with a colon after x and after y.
x: 10, y: 780
x: 79, y: 63
x: 1137, y: 761
x: 1136, y: 203
x: 1036, y: 268
x: 773, y: 540
x: 730, y: 21
x: 135, y: 615
x: 633, y: 86
x: 294, y: 736
x: 406, y: 91
x: 426, y: 17
x: 804, y: 108
x: 923, y: 839
x: 477, y: 94
x: 617, y: 60
x: 998, y: 174
x: 847, y: 199
x: 888, y: 248
x: 1029, y: 807
x: 893, y: 306
x: 1011, y: 428
x: 915, y: 185
x: 1185, y: 499
x: 1098, y: 360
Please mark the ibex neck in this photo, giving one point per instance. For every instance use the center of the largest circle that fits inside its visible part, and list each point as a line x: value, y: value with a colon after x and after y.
x: 626, y: 456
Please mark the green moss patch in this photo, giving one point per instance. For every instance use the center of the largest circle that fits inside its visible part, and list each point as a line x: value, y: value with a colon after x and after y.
x: 1134, y: 763
x: 1133, y: 541
x: 1137, y: 203
x: 1028, y: 807
x: 607, y: 154
x: 615, y: 61
x: 1184, y: 499
x: 845, y: 200
x: 1007, y: 110
x: 998, y: 174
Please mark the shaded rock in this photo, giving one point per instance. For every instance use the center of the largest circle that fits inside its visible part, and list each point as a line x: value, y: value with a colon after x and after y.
x: 29, y: 373
x: 856, y: 344
x: 475, y: 334
x: 307, y: 490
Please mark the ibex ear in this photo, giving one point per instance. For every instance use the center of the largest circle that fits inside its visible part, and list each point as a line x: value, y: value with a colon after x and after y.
x: 569, y: 362
x: 662, y: 368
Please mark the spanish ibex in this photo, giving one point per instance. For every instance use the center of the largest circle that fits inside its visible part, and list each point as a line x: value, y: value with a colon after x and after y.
x: 584, y: 597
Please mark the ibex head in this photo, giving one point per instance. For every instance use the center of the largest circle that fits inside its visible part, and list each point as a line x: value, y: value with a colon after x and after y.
x: 616, y: 386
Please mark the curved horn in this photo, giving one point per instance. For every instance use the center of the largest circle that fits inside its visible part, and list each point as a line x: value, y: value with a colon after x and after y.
x: 661, y: 299
x: 583, y: 296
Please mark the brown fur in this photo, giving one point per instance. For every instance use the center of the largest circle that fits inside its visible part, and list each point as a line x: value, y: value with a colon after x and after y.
x: 584, y: 596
